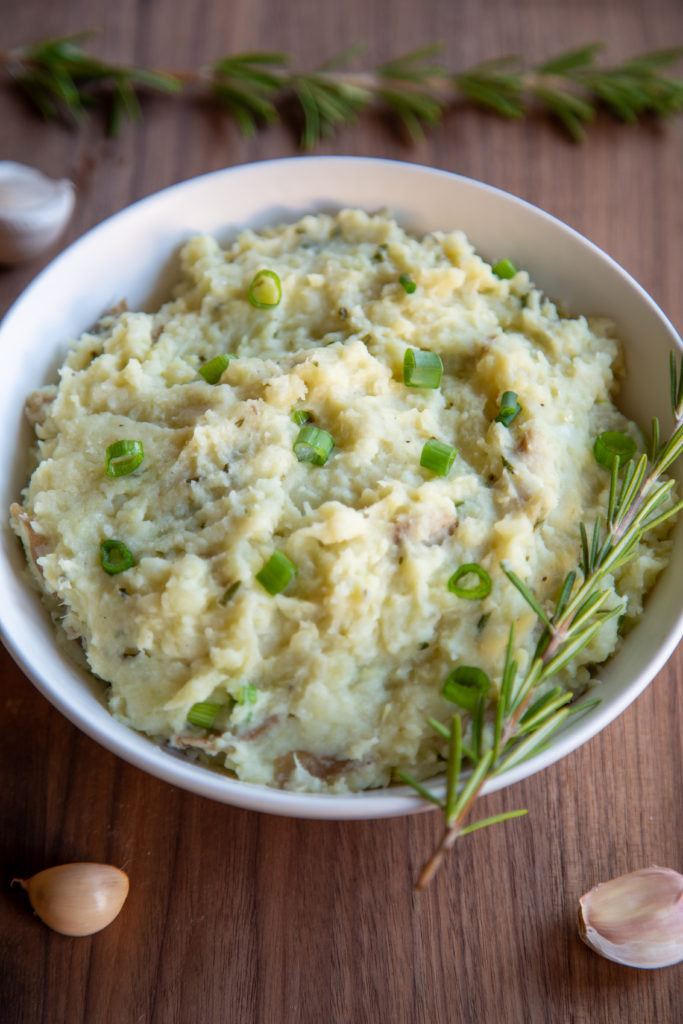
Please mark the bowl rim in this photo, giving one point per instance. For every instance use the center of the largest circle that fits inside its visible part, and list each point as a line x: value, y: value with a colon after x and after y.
x: 142, y: 752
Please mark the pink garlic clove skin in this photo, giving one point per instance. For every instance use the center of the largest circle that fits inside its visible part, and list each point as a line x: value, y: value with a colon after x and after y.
x: 636, y: 919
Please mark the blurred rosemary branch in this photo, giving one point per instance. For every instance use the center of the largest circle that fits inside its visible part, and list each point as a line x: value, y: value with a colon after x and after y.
x: 62, y: 79
x: 639, y: 500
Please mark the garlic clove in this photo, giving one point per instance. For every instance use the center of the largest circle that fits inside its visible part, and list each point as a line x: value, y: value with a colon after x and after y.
x: 77, y: 899
x: 34, y: 210
x: 636, y: 919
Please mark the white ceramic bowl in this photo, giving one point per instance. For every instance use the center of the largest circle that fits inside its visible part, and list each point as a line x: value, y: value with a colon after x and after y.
x: 132, y: 256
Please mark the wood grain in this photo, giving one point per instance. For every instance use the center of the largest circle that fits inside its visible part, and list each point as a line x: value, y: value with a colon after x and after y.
x: 239, y: 917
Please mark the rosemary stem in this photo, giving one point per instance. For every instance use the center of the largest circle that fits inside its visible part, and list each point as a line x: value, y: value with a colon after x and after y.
x: 434, y: 863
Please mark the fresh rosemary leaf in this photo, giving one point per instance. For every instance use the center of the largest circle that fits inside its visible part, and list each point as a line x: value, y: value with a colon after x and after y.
x: 493, y: 820
x: 414, y: 109
x: 564, y: 595
x: 654, y: 60
x: 414, y: 103
x: 570, y: 109
x: 585, y: 553
x: 246, y: 84
x: 497, y: 84
x: 472, y: 785
x: 528, y: 746
x: 633, y: 479
x: 613, y: 484
x: 652, y: 524
x: 341, y: 59
x: 577, y: 642
x: 415, y: 66
x: 526, y: 594
x: 564, y: 63
x: 589, y: 607
x: 326, y: 104
x: 595, y: 545
x: 577, y: 709
x: 469, y: 754
x: 419, y: 788
x: 439, y: 727
x: 542, y: 709
x: 503, y: 704
x: 453, y: 772
x: 478, y: 727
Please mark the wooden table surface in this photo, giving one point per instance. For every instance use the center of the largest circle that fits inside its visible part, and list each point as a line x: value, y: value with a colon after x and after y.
x: 239, y: 917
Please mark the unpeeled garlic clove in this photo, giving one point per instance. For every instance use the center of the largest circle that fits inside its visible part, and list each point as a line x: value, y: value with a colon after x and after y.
x: 34, y: 210
x: 77, y: 899
x: 636, y: 919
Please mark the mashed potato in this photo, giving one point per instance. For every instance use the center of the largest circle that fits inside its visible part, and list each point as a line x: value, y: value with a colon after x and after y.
x: 327, y: 683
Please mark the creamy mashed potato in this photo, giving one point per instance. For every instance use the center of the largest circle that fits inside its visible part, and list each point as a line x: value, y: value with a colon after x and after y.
x: 328, y: 684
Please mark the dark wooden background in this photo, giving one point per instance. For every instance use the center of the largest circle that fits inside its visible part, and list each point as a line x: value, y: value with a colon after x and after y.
x: 239, y: 917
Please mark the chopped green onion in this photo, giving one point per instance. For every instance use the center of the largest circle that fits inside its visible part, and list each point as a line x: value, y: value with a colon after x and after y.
x: 203, y: 713
x: 265, y: 290
x: 230, y: 592
x: 214, y: 369
x: 509, y: 408
x: 122, y: 457
x: 301, y: 416
x: 422, y: 369
x: 438, y: 457
x: 472, y: 593
x: 313, y: 445
x: 115, y: 557
x: 248, y: 694
x: 407, y: 283
x: 465, y: 686
x: 482, y: 620
x: 276, y: 573
x: 611, y: 445
x: 504, y: 269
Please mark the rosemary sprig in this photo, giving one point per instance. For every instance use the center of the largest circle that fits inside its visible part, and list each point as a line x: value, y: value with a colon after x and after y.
x: 639, y: 500
x: 246, y: 84
x: 409, y: 86
x: 60, y: 77
x: 327, y: 101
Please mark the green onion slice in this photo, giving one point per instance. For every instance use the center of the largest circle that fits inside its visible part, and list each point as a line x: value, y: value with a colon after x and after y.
x: 407, y: 284
x: 509, y: 408
x: 122, y: 457
x: 504, y: 269
x: 472, y: 593
x: 248, y: 694
x: 438, y: 457
x: 422, y: 369
x: 203, y: 714
x: 265, y: 290
x: 214, y: 369
x: 465, y: 686
x: 313, y: 445
x: 229, y: 593
x: 611, y: 445
x: 276, y: 573
x: 301, y: 416
x: 115, y: 557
